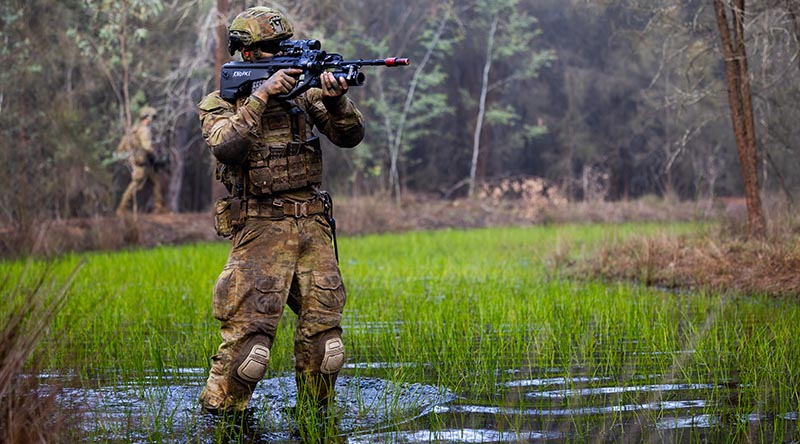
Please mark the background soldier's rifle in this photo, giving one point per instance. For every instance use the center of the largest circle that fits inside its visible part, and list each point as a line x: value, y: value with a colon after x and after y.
x: 160, y: 163
x: 237, y: 77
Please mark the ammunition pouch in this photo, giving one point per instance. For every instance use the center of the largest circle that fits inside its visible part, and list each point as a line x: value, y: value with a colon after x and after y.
x: 279, y: 168
x: 284, y: 156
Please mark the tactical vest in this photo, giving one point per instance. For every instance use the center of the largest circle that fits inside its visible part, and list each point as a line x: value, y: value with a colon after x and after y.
x: 285, y: 155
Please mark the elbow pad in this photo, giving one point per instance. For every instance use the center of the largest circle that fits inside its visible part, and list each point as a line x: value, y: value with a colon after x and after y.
x: 355, y: 138
x: 232, y: 152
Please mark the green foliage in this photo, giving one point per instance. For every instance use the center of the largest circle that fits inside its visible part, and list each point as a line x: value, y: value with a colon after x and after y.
x: 404, y: 104
x: 113, y: 37
x: 502, y: 116
x: 50, y: 141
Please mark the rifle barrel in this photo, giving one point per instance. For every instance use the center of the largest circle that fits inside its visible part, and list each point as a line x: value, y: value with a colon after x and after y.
x: 391, y: 61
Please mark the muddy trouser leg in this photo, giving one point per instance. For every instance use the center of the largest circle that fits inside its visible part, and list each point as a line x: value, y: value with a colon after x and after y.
x: 249, y: 297
x: 158, y: 198
x: 137, y: 181
x: 318, y: 346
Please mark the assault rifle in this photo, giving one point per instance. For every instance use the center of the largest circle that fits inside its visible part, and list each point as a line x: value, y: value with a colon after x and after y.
x: 238, y: 77
x: 160, y: 163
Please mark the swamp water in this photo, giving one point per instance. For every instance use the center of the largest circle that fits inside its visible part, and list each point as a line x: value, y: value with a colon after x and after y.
x: 546, y: 408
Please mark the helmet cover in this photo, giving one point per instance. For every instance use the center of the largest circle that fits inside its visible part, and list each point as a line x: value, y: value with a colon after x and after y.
x: 147, y: 111
x: 256, y: 25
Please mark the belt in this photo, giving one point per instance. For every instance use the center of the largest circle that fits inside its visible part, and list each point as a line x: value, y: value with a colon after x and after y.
x: 279, y: 208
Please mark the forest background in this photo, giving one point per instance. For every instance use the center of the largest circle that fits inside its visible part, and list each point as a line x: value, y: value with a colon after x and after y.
x: 601, y: 100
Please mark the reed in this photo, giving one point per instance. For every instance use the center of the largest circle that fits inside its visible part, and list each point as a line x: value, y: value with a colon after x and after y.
x: 29, y: 412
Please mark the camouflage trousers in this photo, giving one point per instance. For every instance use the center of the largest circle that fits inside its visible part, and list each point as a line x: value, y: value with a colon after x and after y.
x: 139, y: 175
x: 272, y: 264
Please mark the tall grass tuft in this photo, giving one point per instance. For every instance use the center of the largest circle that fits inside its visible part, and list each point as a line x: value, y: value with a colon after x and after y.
x: 28, y: 413
x: 711, y: 260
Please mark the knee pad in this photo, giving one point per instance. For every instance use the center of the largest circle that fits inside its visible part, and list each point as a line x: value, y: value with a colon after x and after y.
x: 254, y: 366
x: 333, y: 356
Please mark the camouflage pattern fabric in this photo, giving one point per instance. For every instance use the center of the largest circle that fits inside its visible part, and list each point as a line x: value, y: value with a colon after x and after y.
x: 259, y: 24
x: 224, y: 123
x: 275, y: 262
x: 272, y: 264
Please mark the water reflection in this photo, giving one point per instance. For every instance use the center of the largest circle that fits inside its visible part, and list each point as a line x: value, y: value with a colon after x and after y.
x: 657, y: 388
x: 547, y: 413
x: 164, y: 408
x: 170, y: 408
x: 456, y: 436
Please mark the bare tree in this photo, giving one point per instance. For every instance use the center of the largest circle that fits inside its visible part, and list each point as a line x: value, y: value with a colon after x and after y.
x: 739, y: 99
x: 221, y: 30
x: 220, y: 57
x: 476, y: 137
x: 396, y: 137
x: 509, y: 43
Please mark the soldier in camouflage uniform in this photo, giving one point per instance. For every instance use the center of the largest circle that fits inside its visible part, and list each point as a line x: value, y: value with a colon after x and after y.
x: 282, y: 252
x: 137, y: 145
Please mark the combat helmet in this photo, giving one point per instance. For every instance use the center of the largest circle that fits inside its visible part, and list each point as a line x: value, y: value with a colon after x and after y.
x: 256, y: 25
x: 147, y: 111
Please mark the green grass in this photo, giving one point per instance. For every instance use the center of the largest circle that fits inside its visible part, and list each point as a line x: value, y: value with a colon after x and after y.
x: 473, y: 311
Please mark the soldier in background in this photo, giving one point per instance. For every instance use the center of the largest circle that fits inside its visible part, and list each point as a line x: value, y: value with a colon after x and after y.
x: 280, y: 222
x: 137, y: 146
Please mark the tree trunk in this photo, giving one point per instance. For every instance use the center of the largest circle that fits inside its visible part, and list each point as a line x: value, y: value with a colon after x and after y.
x: 395, y: 143
x: 221, y: 52
x: 792, y: 8
x: 741, y: 106
x: 476, y: 140
x: 220, y: 57
x: 123, y: 50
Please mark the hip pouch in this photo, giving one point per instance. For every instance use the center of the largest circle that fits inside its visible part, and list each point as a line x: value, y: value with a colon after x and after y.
x: 227, y: 216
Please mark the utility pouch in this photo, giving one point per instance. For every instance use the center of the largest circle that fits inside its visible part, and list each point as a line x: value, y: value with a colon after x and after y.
x: 261, y: 179
x: 228, y: 216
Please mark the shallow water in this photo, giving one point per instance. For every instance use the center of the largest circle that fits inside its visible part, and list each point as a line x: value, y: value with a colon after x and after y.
x: 169, y: 408
x: 373, y: 410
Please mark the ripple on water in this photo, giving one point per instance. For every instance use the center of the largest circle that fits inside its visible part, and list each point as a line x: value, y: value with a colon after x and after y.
x: 465, y: 436
x: 374, y: 410
x: 363, y: 404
